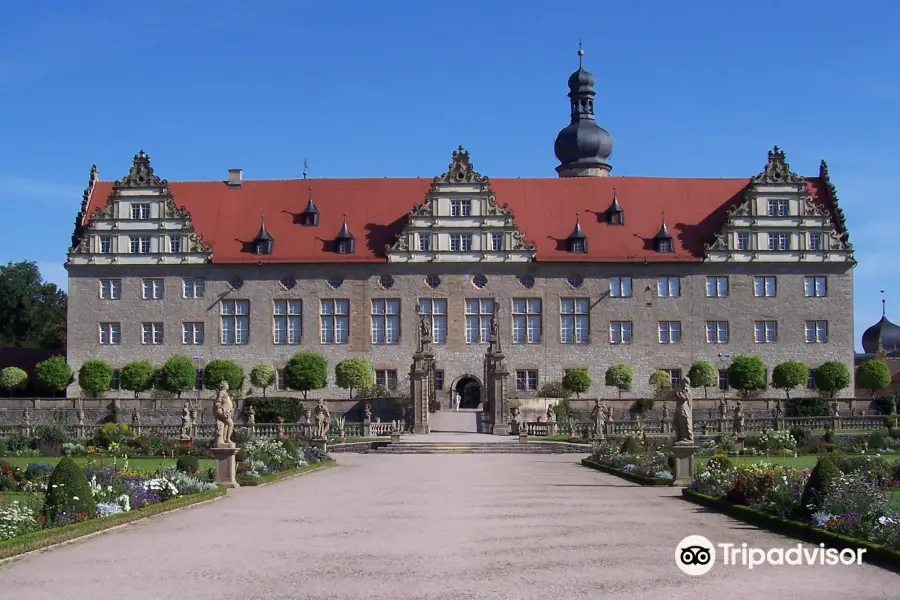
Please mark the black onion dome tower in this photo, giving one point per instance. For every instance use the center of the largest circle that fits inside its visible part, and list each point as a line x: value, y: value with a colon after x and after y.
x: 883, y: 333
x: 582, y: 147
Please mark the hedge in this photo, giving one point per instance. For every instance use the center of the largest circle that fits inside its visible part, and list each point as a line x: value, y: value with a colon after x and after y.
x: 875, y: 554
x: 630, y: 476
x: 273, y: 477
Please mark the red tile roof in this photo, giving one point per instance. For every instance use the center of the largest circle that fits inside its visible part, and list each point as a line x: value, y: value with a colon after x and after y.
x: 376, y: 209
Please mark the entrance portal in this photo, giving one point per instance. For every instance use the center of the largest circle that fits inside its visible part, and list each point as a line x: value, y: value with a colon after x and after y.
x: 469, y: 389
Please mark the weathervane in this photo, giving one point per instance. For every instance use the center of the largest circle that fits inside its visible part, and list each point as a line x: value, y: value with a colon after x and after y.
x: 883, y: 307
x: 305, y: 168
x: 580, y: 53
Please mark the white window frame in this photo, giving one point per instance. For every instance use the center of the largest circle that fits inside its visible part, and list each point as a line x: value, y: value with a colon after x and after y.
x: 460, y: 242
x: 815, y: 241
x: 424, y: 242
x: 386, y: 378
x: 139, y: 244
x: 287, y: 321
x: 110, y: 334
x: 779, y: 242
x: 743, y: 241
x: 334, y: 321
x: 815, y: 286
x: 497, y: 242
x: 479, y: 312
x: 717, y: 286
x: 152, y: 334
x: 435, y: 309
x: 175, y: 244
x: 193, y: 287
x: 105, y: 244
x: 816, y: 331
x: 140, y: 211
x: 765, y: 332
x: 527, y: 380
x: 110, y: 289
x: 717, y: 332
x: 193, y: 333
x: 575, y: 320
x: 779, y: 207
x: 527, y: 322
x: 460, y: 207
x: 669, y: 332
x: 621, y: 287
x: 385, y: 321
x: 761, y: 287
x: 153, y: 288
x: 668, y: 287
x: 621, y: 332
x: 234, y: 322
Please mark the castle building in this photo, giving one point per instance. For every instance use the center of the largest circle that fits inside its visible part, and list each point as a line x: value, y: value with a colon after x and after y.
x: 585, y: 269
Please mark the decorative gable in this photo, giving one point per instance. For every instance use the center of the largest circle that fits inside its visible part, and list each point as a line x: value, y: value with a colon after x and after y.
x: 460, y: 221
x: 778, y: 220
x: 139, y: 224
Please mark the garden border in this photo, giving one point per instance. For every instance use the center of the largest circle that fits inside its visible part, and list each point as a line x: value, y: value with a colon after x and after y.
x: 633, y: 477
x: 875, y: 554
x: 39, y: 541
x: 282, y: 475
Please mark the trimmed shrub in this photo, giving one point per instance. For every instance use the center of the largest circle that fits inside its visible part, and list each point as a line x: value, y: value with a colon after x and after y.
x: 306, y: 371
x: 95, y: 376
x: 719, y: 462
x: 831, y: 377
x: 262, y: 376
x: 877, y: 439
x: 13, y: 379
x: 269, y: 409
x: 53, y: 374
x: 220, y: 370
x: 112, y: 433
x: 577, y: 380
x: 801, y: 435
x: 290, y: 447
x: 353, y: 373
x: 188, y: 464
x: 813, y: 494
x: 68, y: 493
x: 630, y: 446
x: 136, y: 377
x: 177, y: 375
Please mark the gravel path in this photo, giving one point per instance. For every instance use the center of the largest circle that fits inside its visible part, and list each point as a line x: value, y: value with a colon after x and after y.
x: 429, y: 526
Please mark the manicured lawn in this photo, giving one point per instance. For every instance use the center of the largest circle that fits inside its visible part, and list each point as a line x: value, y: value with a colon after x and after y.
x: 143, y: 465
x: 800, y: 462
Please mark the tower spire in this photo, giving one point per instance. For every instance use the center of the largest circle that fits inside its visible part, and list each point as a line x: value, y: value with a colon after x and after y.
x: 580, y: 53
x: 883, y: 305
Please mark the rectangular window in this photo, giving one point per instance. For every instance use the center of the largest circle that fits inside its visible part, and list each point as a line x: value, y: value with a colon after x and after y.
x: 578, y: 246
x: 386, y: 378
x: 743, y: 241
x: 438, y: 380
x: 716, y: 287
x: 526, y: 380
x: 235, y: 320
x: 816, y: 332
x: 175, y: 244
x: 460, y: 242
x: 460, y: 208
x: 279, y: 380
x: 620, y: 332
x: 110, y: 289
x: 334, y: 317
x: 815, y: 287
x: 105, y: 244
x: 669, y: 332
x: 780, y: 242
x: 152, y: 333
x: 668, y: 287
x: 674, y: 375
x: 193, y: 287
x: 479, y: 312
x: 764, y: 287
x: 198, y: 379
x: 116, y: 380
x: 723, y: 379
x: 765, y: 332
x: 526, y: 325
x: 153, y: 289
x: 287, y: 324
x: 140, y: 211
x: 110, y: 334
x: 385, y: 321
x: 811, y: 379
x: 815, y: 241
x: 620, y: 287
x: 574, y: 320
x: 778, y: 208
x: 435, y: 309
x: 424, y: 242
x: 139, y: 244
x: 192, y: 334
x: 717, y: 332
x: 496, y: 242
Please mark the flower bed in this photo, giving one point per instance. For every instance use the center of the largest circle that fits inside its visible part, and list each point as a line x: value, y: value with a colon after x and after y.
x: 850, y: 505
x: 260, y: 460
x: 642, y: 465
x: 629, y: 475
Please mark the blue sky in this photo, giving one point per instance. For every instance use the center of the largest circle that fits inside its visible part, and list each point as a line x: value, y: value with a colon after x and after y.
x: 389, y: 89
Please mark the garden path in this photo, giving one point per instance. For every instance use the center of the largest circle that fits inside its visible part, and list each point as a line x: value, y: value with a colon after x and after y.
x: 440, y: 527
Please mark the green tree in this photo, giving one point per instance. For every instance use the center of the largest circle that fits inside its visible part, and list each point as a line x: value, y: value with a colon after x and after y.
x: 262, y: 376
x: 661, y: 382
x: 831, y: 377
x: 620, y: 377
x: 177, y: 375
x: 747, y: 374
x: 353, y: 373
x: 789, y: 375
x: 32, y: 311
x: 871, y: 375
x: 306, y: 371
x: 223, y: 369
x: 53, y: 374
x: 95, y: 376
x: 13, y: 379
x: 136, y: 377
x: 703, y: 374
x: 68, y: 489
x: 577, y: 381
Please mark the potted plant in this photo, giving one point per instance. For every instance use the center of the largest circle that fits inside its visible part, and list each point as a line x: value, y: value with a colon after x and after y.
x: 339, y: 423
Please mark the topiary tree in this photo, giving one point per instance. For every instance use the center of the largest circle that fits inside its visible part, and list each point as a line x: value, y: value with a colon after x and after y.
x: 630, y: 446
x: 53, y: 374
x: 871, y: 375
x: 831, y: 377
x: 223, y: 369
x: 620, y: 377
x: 177, y: 375
x: 577, y: 381
x: 306, y: 371
x: 661, y: 382
x: 703, y: 374
x: 353, y: 373
x: 13, y: 379
x: 95, y: 377
x: 136, y: 377
x: 814, y: 492
x: 68, y: 493
x: 789, y: 375
x: 262, y: 376
x: 746, y: 374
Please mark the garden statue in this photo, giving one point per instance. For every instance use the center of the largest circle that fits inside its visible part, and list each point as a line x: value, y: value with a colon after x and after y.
x: 495, y: 330
x: 223, y: 408
x: 81, y: 417
x: 834, y: 409
x: 722, y: 409
x: 323, y: 421
x: 26, y: 418
x: 408, y: 418
x: 251, y: 415
x: 367, y: 412
x: 665, y: 411
x: 683, y: 422
x: 185, y: 423
x: 778, y: 411
x: 551, y: 414
x: 738, y: 424
x: 598, y: 417
x: 135, y: 419
x: 425, y: 328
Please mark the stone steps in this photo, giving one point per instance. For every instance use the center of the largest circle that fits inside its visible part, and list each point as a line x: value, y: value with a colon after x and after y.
x: 511, y: 447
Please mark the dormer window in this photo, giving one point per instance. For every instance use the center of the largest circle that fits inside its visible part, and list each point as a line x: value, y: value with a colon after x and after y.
x: 263, y: 242
x: 344, y: 242
x: 614, y: 214
x: 310, y: 215
x: 577, y: 242
x: 663, y: 240
x: 140, y: 211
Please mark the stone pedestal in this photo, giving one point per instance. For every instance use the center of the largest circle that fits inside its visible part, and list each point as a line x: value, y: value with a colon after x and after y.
x: 367, y: 428
x: 739, y: 443
x: 395, y: 437
x: 684, y: 463
x: 321, y: 444
x: 523, y: 434
x: 225, y: 465
x: 500, y: 429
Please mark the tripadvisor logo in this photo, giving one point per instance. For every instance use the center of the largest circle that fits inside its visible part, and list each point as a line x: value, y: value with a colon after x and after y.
x: 696, y: 555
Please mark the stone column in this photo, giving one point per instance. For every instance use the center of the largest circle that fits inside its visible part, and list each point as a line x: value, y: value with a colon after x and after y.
x: 497, y: 375
x: 684, y: 462
x: 418, y: 387
x: 226, y: 470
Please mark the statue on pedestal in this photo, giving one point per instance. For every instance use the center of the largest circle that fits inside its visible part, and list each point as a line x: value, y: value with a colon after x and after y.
x: 722, y: 409
x: 425, y: 328
x: 835, y: 410
x: 251, y: 416
x: 598, y: 418
x: 81, y: 417
x: 223, y: 408
x: 551, y: 414
x: 738, y: 424
x: 135, y: 418
x: 665, y: 411
x: 185, y: 422
x: 495, y: 329
x: 322, y: 421
x: 367, y: 412
x: 683, y: 422
x: 778, y: 410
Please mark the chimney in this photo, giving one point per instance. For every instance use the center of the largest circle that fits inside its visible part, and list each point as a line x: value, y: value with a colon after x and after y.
x: 234, y: 177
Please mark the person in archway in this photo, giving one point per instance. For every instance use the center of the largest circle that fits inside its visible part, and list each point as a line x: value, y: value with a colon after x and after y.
x: 457, y: 399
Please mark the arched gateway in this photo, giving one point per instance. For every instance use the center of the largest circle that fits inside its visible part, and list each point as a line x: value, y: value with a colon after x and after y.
x: 471, y: 391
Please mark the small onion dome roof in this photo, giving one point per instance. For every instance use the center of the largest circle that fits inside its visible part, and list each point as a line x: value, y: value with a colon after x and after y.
x: 887, y: 332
